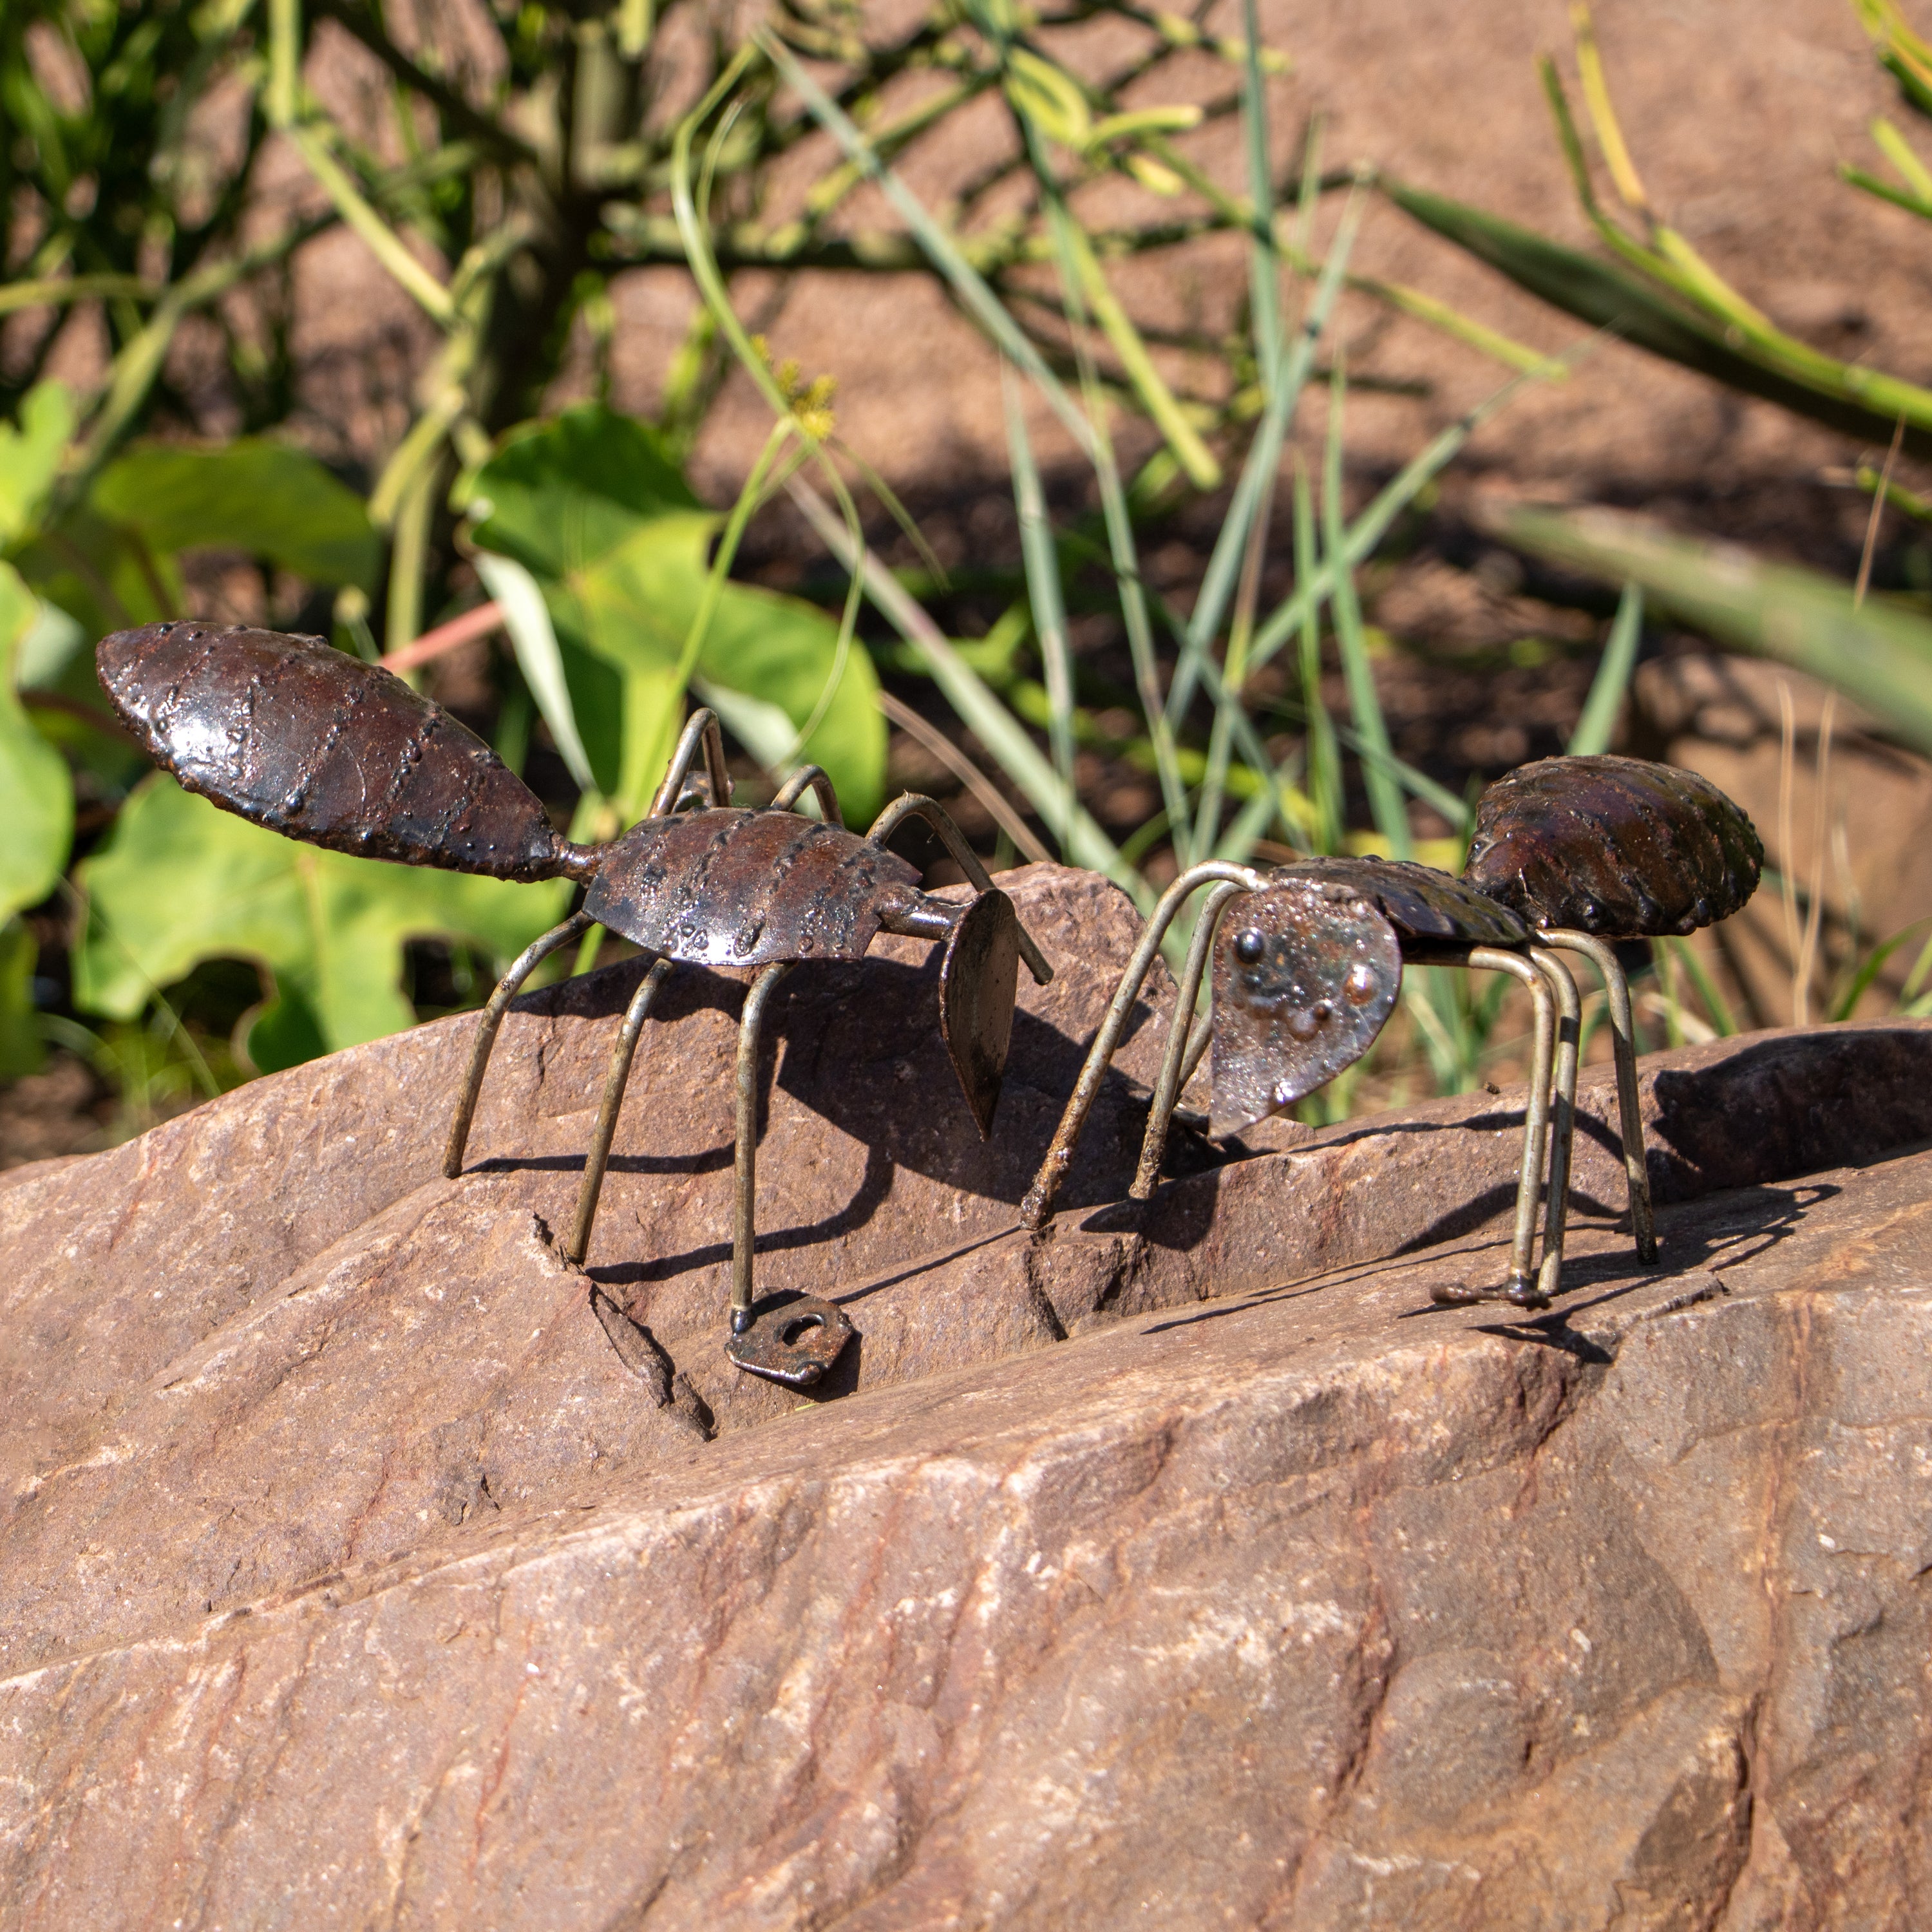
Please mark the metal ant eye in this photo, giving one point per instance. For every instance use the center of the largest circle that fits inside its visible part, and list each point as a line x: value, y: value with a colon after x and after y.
x: 1249, y: 946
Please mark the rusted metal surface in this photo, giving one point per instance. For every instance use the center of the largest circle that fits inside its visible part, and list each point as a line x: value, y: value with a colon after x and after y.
x: 597, y: 1160
x: 1630, y: 1113
x: 1425, y: 907
x: 488, y: 1021
x: 1521, y: 1289
x: 1616, y: 847
x: 916, y: 804
x: 736, y: 888
x: 1306, y: 973
x: 794, y: 1342
x: 317, y: 745
x: 978, y: 978
x: 1036, y: 1207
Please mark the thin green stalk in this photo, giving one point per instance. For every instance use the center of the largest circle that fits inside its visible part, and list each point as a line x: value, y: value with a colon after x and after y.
x: 1119, y: 522
x: 978, y: 708
x: 1155, y: 397
x: 1264, y: 258
x: 409, y: 550
x: 1385, y: 800
x: 1258, y: 473
x: 1373, y: 524
x: 1207, y: 806
x: 748, y: 501
x: 975, y: 296
x: 387, y: 247
x: 1042, y: 562
x: 1324, y: 782
x: 1607, y: 687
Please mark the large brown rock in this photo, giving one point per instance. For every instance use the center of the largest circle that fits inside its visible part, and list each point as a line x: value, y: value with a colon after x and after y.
x: 361, y: 1563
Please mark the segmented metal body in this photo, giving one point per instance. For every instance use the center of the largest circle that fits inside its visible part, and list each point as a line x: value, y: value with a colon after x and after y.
x: 315, y: 745
x: 736, y: 888
x: 1423, y: 905
x: 1618, y: 848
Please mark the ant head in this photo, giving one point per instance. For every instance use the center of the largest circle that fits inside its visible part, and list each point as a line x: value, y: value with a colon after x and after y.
x: 1305, y: 974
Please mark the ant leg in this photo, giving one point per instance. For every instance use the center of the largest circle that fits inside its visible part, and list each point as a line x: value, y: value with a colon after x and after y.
x: 1036, y: 1210
x: 1522, y: 1288
x: 700, y: 728
x: 488, y: 1021
x: 745, y: 1176
x: 1563, y: 1115
x: 615, y: 1081
x: 1629, y: 1108
x: 1174, y: 1068
x: 812, y: 778
x: 916, y: 804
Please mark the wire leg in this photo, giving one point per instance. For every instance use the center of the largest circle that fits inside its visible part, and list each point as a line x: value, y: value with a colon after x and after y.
x: 1563, y: 1116
x: 615, y: 1081
x: 700, y: 735
x: 811, y: 778
x: 1036, y: 1210
x: 488, y: 1022
x: 1174, y: 1069
x: 916, y: 804
x: 1523, y: 1289
x: 1629, y: 1108
x: 744, y: 1176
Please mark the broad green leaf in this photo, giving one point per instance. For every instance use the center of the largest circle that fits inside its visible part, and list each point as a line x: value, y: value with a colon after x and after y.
x: 30, y: 455
x: 1874, y: 652
x: 265, y: 498
x: 592, y: 507
x: 102, y: 574
x: 36, y: 794
x: 180, y: 882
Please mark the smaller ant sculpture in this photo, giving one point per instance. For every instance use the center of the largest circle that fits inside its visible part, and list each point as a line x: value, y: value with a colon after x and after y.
x: 1569, y: 854
x: 294, y: 735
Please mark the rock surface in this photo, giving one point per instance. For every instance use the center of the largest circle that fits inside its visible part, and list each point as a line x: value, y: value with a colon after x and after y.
x: 360, y: 1563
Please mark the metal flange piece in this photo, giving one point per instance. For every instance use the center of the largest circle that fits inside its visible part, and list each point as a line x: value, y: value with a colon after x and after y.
x: 793, y: 1342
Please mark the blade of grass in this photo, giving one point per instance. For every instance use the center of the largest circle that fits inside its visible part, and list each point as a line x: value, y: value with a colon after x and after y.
x: 1607, y: 687
x: 1042, y: 562
x: 975, y: 296
x: 1385, y: 800
x: 1879, y: 654
x: 1258, y: 472
x: 1264, y: 258
x: 1118, y: 520
x: 1323, y: 785
x: 1373, y: 524
x: 980, y: 710
x: 526, y: 618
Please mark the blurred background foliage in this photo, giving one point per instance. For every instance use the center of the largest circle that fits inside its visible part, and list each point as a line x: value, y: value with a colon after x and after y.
x: 165, y: 163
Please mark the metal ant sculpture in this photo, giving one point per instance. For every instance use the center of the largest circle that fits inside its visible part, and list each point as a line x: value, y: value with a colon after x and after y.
x: 1569, y: 854
x: 317, y: 745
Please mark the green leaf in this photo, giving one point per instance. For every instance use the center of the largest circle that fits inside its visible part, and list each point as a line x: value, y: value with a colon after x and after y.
x: 592, y: 507
x: 1874, y: 652
x: 1613, y: 298
x: 262, y: 497
x: 30, y: 455
x: 21, y: 1048
x: 180, y: 882
x: 36, y: 794
x: 100, y: 573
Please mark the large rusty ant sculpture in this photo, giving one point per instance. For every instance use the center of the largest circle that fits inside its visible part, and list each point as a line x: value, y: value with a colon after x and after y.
x: 1568, y: 855
x: 317, y: 745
